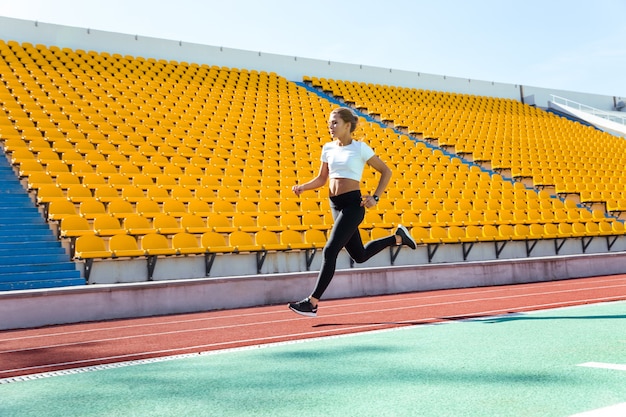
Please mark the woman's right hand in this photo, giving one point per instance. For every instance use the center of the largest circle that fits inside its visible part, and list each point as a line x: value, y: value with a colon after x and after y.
x: 297, y: 189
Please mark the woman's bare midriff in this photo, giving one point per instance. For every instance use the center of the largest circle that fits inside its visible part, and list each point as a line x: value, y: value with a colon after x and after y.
x: 339, y: 186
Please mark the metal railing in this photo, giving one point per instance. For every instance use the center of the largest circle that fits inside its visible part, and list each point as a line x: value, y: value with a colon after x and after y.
x: 588, y: 109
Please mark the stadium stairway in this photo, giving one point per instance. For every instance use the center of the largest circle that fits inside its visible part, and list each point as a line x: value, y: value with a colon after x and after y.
x: 31, y: 256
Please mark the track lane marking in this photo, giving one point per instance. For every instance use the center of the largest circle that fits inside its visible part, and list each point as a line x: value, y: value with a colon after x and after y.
x: 617, y: 410
x: 295, y: 318
x: 602, y: 365
x: 257, y: 313
x: 268, y: 339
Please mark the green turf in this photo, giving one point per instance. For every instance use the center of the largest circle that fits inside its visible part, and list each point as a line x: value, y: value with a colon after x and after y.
x: 519, y: 365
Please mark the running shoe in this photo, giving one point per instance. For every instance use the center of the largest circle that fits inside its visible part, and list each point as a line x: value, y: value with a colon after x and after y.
x: 304, y: 308
x: 407, y: 239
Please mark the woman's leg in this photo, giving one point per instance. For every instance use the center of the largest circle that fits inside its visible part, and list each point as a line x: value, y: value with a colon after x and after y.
x: 345, y: 228
x: 361, y: 253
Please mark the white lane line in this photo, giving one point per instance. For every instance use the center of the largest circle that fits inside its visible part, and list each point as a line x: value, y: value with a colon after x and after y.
x: 326, y: 317
x: 617, y: 410
x: 256, y: 342
x: 340, y: 306
x: 602, y: 365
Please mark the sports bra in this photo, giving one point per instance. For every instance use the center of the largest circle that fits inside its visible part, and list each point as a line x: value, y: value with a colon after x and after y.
x: 346, y: 161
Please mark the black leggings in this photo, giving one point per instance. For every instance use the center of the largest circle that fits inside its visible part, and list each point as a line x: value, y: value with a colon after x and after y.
x: 348, y: 215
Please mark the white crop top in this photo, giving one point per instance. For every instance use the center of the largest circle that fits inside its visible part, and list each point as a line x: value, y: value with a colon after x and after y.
x: 346, y: 161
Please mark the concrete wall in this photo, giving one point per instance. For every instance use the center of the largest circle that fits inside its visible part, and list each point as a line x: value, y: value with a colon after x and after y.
x: 35, y: 308
x: 291, y: 67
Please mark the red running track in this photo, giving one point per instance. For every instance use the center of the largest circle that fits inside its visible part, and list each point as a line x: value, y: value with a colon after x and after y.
x: 32, y: 351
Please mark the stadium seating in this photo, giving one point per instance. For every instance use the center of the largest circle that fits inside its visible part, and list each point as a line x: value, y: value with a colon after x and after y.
x: 163, y: 153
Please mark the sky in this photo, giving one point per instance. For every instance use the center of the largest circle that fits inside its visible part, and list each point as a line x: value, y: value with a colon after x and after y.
x: 575, y: 45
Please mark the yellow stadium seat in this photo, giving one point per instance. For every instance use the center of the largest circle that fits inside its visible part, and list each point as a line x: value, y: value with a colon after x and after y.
x: 215, y: 242
x: 268, y: 206
x: 174, y: 207
x: 58, y: 209
x: 420, y: 234
x: 438, y: 234
x: 148, y: 208
x: 156, y: 244
x: 47, y: 193
x: 37, y: 179
x: 269, y: 221
x: 245, y: 222
x: 199, y: 207
x: 456, y: 234
x: 135, y: 224
x: 315, y: 237
x: 91, y: 246
x: 183, y: 194
x: 78, y: 193
x: 315, y: 221
x: 222, y: 206
x: 292, y: 239
x: 242, y: 242
x: 166, y: 225
x: 74, y: 226
x: 268, y: 240
x: 490, y: 232
x: 107, y: 225
x: 120, y: 208
x: 193, y: 223
x: 186, y: 243
x: 220, y: 223
x: 91, y: 208
x: 124, y: 246
x: 521, y: 231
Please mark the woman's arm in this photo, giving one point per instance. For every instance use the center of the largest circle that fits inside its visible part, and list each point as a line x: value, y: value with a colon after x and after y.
x: 385, y: 174
x: 317, y: 182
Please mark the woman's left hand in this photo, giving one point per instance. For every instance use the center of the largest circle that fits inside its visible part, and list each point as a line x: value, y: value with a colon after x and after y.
x: 368, y: 201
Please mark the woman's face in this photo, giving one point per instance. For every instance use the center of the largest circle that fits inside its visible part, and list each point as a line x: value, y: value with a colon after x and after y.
x: 337, y: 127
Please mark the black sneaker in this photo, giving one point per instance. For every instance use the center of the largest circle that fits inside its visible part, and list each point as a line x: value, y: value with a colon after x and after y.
x: 407, y: 239
x: 304, y: 307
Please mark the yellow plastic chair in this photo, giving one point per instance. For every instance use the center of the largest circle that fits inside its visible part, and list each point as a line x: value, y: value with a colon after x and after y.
x: 456, y: 234
x: 166, y: 225
x: 268, y: 206
x: 47, y: 193
x: 315, y: 237
x: 120, y: 208
x: 148, y: 208
x: 438, y: 234
x: 292, y: 221
x: 490, y: 232
x: 91, y: 246
x: 107, y: 225
x: 293, y: 239
x: 135, y: 224
x: 173, y: 207
x: 78, y: 193
x: 61, y: 208
x: 222, y: 206
x: 125, y: 246
x: 183, y: 194
x: 242, y: 242
x: 193, y: 223
x: 220, y: 223
x: 215, y: 242
x: 156, y: 244
x: 200, y: 208
x: 74, y: 226
x: 268, y: 240
x: 269, y: 221
x: 186, y: 243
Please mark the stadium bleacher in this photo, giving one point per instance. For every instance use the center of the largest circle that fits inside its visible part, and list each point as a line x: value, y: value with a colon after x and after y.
x: 131, y: 157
